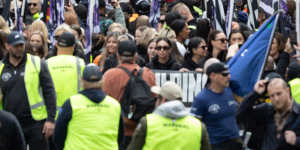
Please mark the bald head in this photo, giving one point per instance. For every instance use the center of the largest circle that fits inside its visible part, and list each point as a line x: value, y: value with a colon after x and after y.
x: 277, y: 82
x: 280, y: 96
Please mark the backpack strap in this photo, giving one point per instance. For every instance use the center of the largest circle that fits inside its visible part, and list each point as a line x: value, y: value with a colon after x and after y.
x: 140, y: 72
x: 125, y: 69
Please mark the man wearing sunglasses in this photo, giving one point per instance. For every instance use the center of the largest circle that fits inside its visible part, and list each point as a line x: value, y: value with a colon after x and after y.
x: 35, y: 8
x: 216, y: 107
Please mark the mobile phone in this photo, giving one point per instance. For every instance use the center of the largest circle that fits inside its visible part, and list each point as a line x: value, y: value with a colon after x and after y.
x: 240, y: 45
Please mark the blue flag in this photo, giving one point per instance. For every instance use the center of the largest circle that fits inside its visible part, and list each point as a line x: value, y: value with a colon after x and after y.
x: 247, y: 65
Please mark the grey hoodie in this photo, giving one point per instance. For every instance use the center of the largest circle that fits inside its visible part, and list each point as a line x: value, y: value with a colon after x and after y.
x: 172, y: 109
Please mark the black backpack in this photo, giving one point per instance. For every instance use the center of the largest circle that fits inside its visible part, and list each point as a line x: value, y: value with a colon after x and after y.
x: 137, y: 100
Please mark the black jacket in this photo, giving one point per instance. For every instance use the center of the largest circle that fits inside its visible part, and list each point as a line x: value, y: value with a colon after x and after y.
x: 191, y: 65
x: 262, y: 115
x: 282, y: 63
x: 65, y: 116
x: 14, y: 92
x: 11, y: 135
x: 170, y: 65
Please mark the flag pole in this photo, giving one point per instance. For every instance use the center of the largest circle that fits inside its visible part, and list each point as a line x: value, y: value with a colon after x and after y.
x: 269, y: 44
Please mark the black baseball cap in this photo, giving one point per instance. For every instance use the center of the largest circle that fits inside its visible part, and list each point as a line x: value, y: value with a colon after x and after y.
x: 127, y: 48
x: 216, y: 68
x: 66, y: 39
x: 15, y: 38
x: 92, y: 73
x: 293, y: 71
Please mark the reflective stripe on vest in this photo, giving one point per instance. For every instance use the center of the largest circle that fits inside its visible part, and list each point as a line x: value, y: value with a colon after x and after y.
x: 165, y: 133
x: 192, y: 27
x: 198, y: 10
x: 66, y: 71
x: 295, y: 89
x: 32, y: 86
x: 93, y: 125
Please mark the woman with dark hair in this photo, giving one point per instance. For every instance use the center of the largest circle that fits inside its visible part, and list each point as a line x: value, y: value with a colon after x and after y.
x: 236, y: 37
x: 280, y: 56
x: 35, y: 49
x: 203, y: 28
x: 163, y: 60
x: 151, y: 52
x: 3, y: 50
x: 182, y: 33
x: 76, y: 30
x: 236, y: 40
x: 37, y: 39
x: 195, y: 57
x: 98, y: 41
x: 217, y: 45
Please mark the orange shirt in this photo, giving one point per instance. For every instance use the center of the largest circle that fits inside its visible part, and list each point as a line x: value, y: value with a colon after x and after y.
x: 114, y: 83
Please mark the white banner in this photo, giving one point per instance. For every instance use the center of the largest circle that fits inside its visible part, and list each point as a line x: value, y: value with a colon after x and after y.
x: 191, y: 83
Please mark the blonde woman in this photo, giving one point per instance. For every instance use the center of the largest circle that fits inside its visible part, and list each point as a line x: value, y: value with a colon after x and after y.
x: 37, y: 39
x: 110, y: 49
x: 39, y: 25
x: 3, y: 25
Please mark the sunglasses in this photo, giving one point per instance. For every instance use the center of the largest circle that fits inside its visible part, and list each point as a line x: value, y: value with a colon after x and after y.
x: 225, y: 74
x: 162, y: 48
x: 34, y: 4
x: 204, y: 47
x: 222, y: 40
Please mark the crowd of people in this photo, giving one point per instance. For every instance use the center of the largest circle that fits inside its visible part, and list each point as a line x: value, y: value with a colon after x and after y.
x: 57, y: 94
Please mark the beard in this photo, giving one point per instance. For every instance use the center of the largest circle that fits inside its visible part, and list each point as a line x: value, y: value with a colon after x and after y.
x: 17, y: 55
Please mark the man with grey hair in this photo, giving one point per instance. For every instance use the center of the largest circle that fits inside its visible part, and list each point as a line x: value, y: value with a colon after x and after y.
x: 170, y: 126
x: 35, y: 7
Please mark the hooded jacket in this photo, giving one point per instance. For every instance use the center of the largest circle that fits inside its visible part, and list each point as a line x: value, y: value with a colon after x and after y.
x: 171, y: 109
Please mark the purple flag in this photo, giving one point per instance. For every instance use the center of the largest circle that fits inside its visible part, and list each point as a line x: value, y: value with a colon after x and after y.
x: 154, y: 13
x: 92, y: 24
x: 283, y: 5
x: 56, y: 16
x: 18, y: 20
x: 229, y: 15
x: 267, y: 6
x: 219, y: 15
